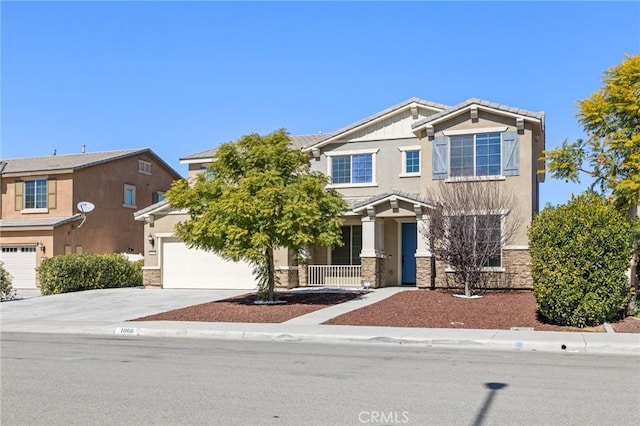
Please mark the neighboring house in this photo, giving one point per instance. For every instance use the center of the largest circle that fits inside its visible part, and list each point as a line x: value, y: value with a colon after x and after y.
x: 39, y: 213
x: 383, y: 165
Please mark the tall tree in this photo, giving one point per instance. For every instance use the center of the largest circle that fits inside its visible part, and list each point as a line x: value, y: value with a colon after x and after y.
x: 611, y: 153
x: 258, y: 195
x: 469, y: 227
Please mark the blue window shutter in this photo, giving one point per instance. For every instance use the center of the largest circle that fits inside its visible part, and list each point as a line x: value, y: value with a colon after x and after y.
x: 510, y: 154
x: 440, y: 158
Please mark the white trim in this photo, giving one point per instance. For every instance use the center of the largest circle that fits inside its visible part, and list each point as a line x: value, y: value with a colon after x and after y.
x: 515, y: 247
x: 38, y: 210
x: 165, y: 235
x: 125, y: 188
x: 465, y: 109
x: 151, y: 268
x: 451, y: 270
x: 475, y: 131
x: 352, y: 152
x: 410, y: 148
x: 474, y: 178
x: 198, y: 160
x: 407, y: 175
x: 352, y: 185
x: 286, y: 268
x: 387, y: 198
x: 142, y: 163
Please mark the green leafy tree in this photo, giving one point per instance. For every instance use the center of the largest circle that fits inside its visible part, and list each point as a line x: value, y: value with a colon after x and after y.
x: 611, y: 153
x: 6, y: 289
x: 258, y: 195
x: 580, y: 252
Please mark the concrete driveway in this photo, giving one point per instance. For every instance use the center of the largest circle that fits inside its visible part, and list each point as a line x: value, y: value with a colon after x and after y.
x: 98, y: 308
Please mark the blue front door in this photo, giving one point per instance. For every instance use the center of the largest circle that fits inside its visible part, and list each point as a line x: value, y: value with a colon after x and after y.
x: 409, y: 245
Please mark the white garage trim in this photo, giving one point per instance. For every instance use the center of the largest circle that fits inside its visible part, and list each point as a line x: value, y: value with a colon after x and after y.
x: 20, y: 262
x: 184, y: 267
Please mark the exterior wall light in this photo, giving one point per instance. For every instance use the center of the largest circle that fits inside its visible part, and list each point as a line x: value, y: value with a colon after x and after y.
x: 152, y: 242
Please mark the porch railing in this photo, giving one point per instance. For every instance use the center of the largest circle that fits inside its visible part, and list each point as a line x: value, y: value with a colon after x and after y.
x: 334, y: 275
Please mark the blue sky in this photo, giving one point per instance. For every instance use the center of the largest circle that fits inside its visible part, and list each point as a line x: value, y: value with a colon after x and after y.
x: 183, y: 77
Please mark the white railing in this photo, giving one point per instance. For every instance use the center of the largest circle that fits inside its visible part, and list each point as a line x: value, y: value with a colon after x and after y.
x: 334, y: 276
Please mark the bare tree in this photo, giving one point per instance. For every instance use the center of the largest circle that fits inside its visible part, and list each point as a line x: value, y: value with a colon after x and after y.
x: 469, y: 227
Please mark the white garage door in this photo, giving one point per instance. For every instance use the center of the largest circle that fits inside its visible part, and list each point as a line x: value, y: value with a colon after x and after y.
x: 20, y: 262
x: 183, y: 267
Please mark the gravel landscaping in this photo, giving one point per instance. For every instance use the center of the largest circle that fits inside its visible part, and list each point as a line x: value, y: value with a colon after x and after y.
x: 411, y: 308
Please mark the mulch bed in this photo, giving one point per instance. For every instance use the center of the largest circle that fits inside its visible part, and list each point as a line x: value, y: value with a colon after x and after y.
x: 242, y: 308
x: 439, y: 309
x: 412, y: 308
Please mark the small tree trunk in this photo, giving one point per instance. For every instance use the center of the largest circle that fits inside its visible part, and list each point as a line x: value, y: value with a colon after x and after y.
x: 467, y: 287
x: 271, y: 272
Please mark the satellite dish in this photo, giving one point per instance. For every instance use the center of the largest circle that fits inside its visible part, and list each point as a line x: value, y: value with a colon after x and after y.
x: 86, y: 206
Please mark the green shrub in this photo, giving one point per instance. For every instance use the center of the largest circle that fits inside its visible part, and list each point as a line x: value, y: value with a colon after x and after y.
x: 580, y: 254
x: 78, y: 272
x: 6, y: 289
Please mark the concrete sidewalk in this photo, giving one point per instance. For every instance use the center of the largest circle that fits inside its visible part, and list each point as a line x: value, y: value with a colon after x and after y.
x: 106, y: 313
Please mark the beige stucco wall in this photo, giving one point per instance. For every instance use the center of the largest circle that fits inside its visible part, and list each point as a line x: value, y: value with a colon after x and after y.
x: 524, y: 186
x: 110, y: 227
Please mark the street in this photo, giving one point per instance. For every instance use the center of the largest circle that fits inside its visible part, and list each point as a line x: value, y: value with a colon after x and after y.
x: 56, y: 379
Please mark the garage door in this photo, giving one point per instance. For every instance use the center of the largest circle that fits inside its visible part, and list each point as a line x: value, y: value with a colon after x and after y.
x: 184, y: 267
x: 20, y: 262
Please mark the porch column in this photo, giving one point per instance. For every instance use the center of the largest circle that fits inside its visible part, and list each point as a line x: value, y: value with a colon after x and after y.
x: 303, y: 267
x: 425, y: 267
x: 372, y: 254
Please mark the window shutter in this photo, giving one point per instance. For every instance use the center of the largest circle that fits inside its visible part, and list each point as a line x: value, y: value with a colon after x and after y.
x: 19, y: 203
x: 510, y: 154
x: 51, y: 188
x: 440, y: 158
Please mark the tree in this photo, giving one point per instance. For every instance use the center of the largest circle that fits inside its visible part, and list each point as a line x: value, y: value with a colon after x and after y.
x: 6, y: 289
x: 468, y: 228
x: 611, y: 153
x: 258, y: 195
x: 579, y: 253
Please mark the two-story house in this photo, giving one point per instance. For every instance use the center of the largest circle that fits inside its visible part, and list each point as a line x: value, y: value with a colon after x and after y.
x: 384, y: 166
x: 39, y: 205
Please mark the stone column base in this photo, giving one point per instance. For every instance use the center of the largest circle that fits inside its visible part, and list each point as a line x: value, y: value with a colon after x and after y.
x: 373, y: 271
x: 151, y: 278
x: 425, y: 273
x: 287, y: 278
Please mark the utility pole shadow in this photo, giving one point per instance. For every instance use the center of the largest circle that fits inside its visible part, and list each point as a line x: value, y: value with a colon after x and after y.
x: 482, y: 414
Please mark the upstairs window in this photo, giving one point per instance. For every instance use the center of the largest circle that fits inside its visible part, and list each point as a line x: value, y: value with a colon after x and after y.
x: 354, y: 168
x: 410, y: 161
x: 144, y: 167
x: 475, y: 155
x: 129, y: 195
x: 35, y: 194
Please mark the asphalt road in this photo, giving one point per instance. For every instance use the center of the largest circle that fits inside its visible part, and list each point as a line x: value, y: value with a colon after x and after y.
x: 88, y: 380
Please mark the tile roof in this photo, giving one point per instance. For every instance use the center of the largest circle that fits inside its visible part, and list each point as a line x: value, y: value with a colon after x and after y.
x: 385, y: 195
x: 152, y: 207
x: 476, y: 101
x: 69, y: 161
x: 37, y: 222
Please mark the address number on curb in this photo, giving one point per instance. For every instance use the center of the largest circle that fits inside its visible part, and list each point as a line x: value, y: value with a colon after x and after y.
x: 130, y: 331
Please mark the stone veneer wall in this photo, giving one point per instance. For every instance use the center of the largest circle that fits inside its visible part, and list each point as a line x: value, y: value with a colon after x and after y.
x: 516, y: 276
x: 424, y: 272
x: 151, y: 278
x: 287, y: 278
x: 373, y: 270
x: 303, y: 273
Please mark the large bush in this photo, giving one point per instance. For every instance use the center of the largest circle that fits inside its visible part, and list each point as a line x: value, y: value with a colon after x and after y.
x: 77, y: 272
x: 580, y: 255
x: 6, y: 289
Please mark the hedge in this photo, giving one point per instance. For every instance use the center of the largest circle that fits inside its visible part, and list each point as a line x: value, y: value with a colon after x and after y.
x: 78, y: 272
x: 6, y: 289
x: 580, y: 253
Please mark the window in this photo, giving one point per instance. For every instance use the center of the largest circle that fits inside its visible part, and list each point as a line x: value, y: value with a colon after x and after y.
x: 35, y: 194
x: 349, y: 252
x: 129, y: 195
x: 475, y: 155
x: 478, y: 235
x: 352, y: 168
x: 144, y: 167
x: 410, y: 161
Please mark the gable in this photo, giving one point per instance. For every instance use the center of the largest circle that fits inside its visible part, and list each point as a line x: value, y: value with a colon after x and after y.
x: 396, y: 126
